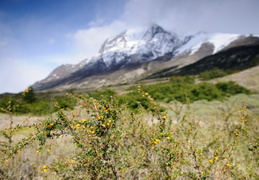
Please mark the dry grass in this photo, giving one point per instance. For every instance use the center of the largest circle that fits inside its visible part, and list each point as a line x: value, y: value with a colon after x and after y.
x: 248, y: 78
x: 192, y: 126
x: 200, y: 132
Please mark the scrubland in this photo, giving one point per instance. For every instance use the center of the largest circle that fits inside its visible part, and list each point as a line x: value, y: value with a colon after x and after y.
x: 146, y: 133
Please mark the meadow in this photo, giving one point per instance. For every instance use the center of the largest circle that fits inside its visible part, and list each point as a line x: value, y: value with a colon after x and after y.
x: 170, y: 130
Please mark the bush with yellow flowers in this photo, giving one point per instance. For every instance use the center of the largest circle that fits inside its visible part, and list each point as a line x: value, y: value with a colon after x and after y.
x: 112, y: 141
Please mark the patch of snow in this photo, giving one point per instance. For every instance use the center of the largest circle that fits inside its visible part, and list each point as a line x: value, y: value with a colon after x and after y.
x: 193, y: 44
x: 220, y: 40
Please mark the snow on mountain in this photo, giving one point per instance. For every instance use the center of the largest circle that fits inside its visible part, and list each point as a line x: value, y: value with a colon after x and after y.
x: 194, y: 41
x: 218, y: 40
x: 136, y: 46
x: 154, y: 42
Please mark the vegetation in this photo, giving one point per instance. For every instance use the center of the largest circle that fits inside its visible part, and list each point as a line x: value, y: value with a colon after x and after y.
x: 104, y: 137
x: 182, y: 89
x: 215, y: 73
x: 30, y: 104
x: 185, y: 90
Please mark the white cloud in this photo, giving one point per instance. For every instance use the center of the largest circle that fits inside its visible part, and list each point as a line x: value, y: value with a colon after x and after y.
x: 88, y: 41
x: 231, y: 16
x: 17, y: 75
x: 97, y: 22
x: 185, y: 17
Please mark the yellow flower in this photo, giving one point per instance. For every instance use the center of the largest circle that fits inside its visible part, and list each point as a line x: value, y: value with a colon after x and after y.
x: 50, y: 125
x: 228, y: 164
x: 78, y: 126
x: 44, y: 167
x: 103, y: 125
x: 6, y: 160
x: 152, y: 147
x: 157, y: 141
x: 83, y: 120
x: 38, y: 150
x: 139, y: 86
x: 91, y: 127
x: 45, y: 170
x: 164, y: 117
x: 168, y: 138
x: 216, y: 158
x: 92, y: 132
x: 211, y: 161
x: 202, y: 172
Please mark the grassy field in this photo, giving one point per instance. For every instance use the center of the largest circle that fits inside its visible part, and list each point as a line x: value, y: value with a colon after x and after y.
x: 102, y: 139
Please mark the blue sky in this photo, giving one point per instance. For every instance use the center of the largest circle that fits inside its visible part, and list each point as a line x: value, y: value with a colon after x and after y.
x: 36, y: 36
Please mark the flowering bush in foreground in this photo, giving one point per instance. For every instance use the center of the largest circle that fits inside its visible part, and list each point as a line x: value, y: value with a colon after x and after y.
x: 113, y: 142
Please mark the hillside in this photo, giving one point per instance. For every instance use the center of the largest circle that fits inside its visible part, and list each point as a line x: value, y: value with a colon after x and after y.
x: 248, y: 78
x: 136, y: 54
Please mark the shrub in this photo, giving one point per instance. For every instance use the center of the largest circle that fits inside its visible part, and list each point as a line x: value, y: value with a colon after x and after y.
x: 39, y: 107
x: 212, y: 74
x: 64, y: 103
x: 114, y: 143
x: 184, y: 89
x: 205, y: 91
x: 231, y: 88
x: 100, y: 94
x: 29, y: 96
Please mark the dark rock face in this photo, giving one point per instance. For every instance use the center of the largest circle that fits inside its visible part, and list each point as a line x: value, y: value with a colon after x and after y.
x: 237, y: 58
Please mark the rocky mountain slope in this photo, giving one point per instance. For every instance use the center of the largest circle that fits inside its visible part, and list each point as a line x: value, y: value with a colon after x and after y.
x: 138, y: 54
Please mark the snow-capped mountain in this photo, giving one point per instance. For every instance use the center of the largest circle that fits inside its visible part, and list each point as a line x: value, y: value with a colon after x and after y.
x: 153, y: 43
x: 133, y: 49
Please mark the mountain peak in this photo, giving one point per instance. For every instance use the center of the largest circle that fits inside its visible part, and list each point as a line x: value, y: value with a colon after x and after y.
x: 131, y: 40
x: 156, y: 29
x: 134, y: 48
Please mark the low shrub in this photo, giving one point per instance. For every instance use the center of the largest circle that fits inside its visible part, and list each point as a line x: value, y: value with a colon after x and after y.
x: 214, y: 73
x: 113, y: 142
x: 185, y: 90
x: 232, y: 88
